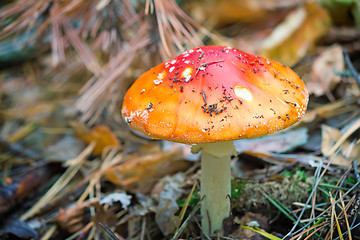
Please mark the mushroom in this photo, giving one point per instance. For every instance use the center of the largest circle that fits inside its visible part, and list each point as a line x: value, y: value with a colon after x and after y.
x: 207, y: 97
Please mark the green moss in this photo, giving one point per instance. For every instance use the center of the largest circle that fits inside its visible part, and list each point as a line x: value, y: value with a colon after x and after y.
x: 237, y: 188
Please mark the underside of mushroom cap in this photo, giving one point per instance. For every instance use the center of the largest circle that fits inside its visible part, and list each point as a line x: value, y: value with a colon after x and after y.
x: 215, y: 93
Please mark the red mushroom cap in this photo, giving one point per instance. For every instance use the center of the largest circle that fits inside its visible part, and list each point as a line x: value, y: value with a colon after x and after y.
x: 215, y: 93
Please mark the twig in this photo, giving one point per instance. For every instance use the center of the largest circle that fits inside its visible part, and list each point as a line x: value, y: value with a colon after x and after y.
x: 17, y: 149
x: 106, y: 228
x: 334, y: 216
x: 203, y: 66
x: 143, y: 228
x: 345, y: 216
x: 356, y: 170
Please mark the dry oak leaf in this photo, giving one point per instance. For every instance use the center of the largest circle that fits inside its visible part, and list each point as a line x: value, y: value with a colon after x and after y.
x: 140, y: 173
x: 297, y: 34
x: 323, y: 77
x: 100, y: 134
x: 349, y: 150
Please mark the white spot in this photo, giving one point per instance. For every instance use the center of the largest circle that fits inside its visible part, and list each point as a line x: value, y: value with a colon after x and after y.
x: 187, y: 71
x: 138, y: 113
x: 187, y: 62
x: 190, y: 51
x: 157, y: 82
x: 227, y: 51
x: 159, y: 78
x: 161, y: 75
x: 186, y: 55
x: 173, y: 61
x: 171, y: 69
x: 187, y: 74
x: 243, y: 92
x: 228, y: 47
x: 142, y: 91
x: 199, y: 50
x: 144, y: 114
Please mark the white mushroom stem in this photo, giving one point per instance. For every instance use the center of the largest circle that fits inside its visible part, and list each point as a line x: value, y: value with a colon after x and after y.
x: 215, y: 184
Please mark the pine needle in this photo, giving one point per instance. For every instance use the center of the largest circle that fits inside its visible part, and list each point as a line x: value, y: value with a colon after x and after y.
x: 184, y: 208
x: 281, y: 207
x: 61, y: 183
x: 112, y: 32
x: 345, y: 216
x: 183, y: 225
x: 334, y: 216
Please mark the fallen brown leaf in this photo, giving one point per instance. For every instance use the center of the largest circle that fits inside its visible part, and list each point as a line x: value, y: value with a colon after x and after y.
x: 227, y: 12
x: 277, y: 143
x: 323, y: 78
x: 139, y: 173
x: 349, y: 150
x: 297, y: 34
x: 100, y: 134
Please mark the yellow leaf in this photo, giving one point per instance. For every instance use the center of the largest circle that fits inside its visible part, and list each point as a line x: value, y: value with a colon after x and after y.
x: 101, y: 135
x: 297, y: 34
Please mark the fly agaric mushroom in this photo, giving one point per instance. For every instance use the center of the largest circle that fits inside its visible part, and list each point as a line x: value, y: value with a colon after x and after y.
x: 207, y: 97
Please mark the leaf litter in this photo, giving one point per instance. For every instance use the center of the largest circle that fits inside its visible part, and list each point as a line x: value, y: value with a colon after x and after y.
x: 70, y: 168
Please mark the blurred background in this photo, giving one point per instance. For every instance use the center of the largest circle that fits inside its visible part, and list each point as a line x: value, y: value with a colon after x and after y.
x: 71, y: 168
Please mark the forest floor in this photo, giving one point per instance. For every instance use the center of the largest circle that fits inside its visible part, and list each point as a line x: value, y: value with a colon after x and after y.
x: 71, y: 168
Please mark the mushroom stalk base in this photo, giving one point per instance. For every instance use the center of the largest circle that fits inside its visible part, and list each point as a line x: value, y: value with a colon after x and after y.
x: 215, y: 184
